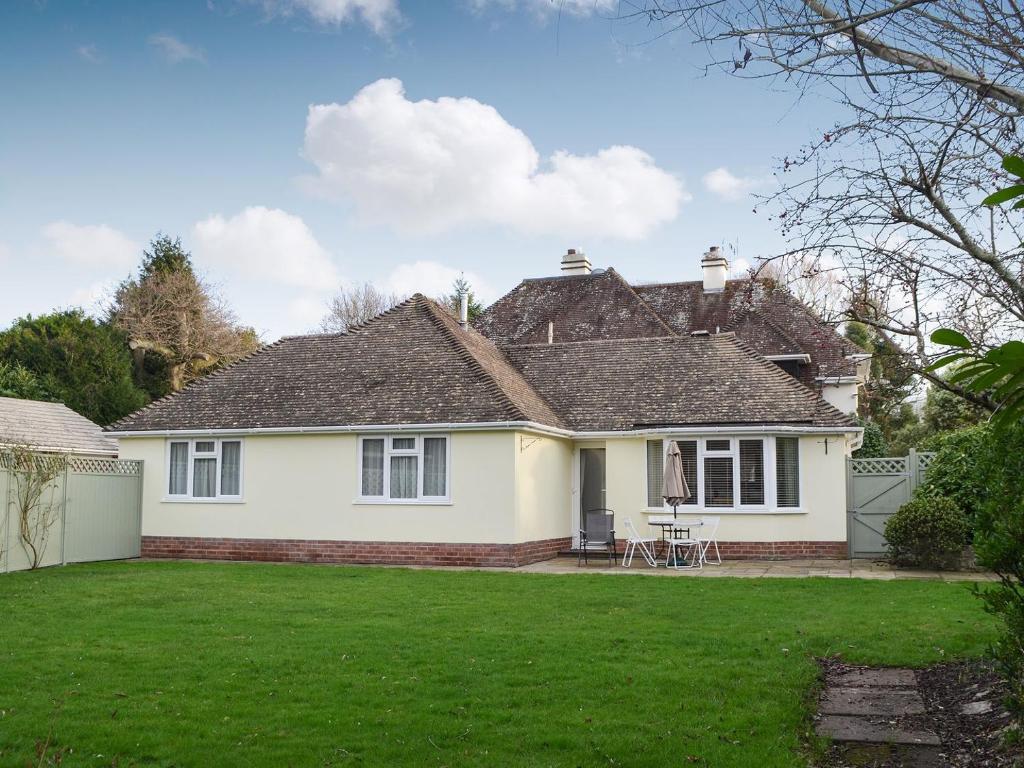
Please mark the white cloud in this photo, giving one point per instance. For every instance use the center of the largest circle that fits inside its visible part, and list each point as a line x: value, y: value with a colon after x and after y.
x: 266, y: 243
x: 176, y: 50
x: 546, y: 8
x: 93, y: 297
x: 433, y: 279
x: 431, y: 166
x: 378, y: 15
x: 89, y: 52
x: 92, y: 245
x: 307, y: 311
x: 728, y: 186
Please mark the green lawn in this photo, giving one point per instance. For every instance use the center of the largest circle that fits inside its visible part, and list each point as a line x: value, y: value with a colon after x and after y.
x: 271, y: 665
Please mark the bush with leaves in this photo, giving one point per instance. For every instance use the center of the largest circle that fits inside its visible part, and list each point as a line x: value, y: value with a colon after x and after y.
x: 999, y: 546
x: 955, y: 472
x: 874, y: 441
x: 79, y: 361
x: 927, y: 532
x: 18, y: 381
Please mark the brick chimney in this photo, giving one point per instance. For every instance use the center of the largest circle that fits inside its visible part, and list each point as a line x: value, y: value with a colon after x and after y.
x: 575, y: 263
x: 715, y: 268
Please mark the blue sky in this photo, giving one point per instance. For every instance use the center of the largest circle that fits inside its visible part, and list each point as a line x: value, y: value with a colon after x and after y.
x: 478, y: 135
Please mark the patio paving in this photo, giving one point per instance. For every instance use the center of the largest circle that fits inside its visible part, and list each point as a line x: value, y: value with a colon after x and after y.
x: 755, y: 569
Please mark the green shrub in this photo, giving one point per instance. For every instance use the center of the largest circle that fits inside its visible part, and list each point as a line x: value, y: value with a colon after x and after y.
x: 999, y: 545
x: 928, y: 532
x: 874, y: 441
x: 955, y: 472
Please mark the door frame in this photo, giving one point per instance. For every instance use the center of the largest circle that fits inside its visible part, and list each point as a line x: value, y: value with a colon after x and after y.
x: 576, y: 508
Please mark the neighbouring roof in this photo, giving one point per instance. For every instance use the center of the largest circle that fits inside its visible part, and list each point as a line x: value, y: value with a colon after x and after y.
x: 410, y: 365
x: 673, y: 381
x: 603, y: 305
x: 51, y: 427
x: 415, y: 365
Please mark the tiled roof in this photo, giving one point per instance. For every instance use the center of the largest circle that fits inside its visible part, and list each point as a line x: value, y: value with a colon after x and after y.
x: 415, y: 365
x: 603, y: 306
x: 668, y: 381
x: 51, y: 427
x: 580, y: 307
x: 410, y: 365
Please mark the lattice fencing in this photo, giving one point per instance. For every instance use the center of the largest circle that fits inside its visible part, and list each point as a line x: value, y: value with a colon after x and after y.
x: 875, y: 489
x: 95, y: 505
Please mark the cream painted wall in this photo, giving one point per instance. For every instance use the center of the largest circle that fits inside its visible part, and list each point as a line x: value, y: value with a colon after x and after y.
x: 507, y: 487
x: 843, y: 396
x: 822, y: 493
x: 544, y: 467
x: 304, y: 487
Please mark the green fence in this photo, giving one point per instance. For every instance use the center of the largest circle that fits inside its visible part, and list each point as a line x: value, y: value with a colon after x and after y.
x: 98, y: 505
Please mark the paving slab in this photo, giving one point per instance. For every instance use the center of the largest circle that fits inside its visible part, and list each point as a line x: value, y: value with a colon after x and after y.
x: 885, y: 702
x: 871, y: 731
x: 877, y: 677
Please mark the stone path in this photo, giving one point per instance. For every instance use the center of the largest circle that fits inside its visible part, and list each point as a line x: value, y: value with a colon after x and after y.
x: 870, y: 713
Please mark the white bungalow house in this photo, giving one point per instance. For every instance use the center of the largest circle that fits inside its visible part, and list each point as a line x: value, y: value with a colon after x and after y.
x: 416, y: 438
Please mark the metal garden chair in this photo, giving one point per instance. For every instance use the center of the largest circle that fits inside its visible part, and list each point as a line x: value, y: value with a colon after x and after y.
x: 597, y: 535
x: 636, y: 541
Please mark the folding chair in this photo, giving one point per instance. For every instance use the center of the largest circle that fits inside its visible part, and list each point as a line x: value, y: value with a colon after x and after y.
x: 687, y: 549
x: 708, y: 538
x: 636, y: 541
x: 597, y: 535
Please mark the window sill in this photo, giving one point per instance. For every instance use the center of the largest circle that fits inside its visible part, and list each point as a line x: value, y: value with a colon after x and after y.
x: 710, y: 511
x: 402, y: 503
x: 208, y: 500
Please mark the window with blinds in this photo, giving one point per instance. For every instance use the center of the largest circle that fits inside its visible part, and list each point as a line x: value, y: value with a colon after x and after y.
x: 688, y: 455
x: 718, y: 481
x: 656, y: 470
x: 751, y: 472
x: 787, y: 471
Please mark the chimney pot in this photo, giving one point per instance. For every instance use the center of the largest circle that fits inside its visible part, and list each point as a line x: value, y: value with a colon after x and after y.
x: 464, y: 311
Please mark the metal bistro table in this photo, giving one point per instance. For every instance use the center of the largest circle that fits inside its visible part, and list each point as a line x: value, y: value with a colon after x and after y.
x: 670, y: 524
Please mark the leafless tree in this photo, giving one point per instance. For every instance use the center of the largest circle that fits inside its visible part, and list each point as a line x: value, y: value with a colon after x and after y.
x: 931, y: 93
x: 815, y: 285
x: 355, y: 305
x: 36, y: 488
x: 178, y: 316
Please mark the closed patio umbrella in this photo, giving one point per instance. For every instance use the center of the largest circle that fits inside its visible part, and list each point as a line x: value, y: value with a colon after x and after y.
x: 675, y: 491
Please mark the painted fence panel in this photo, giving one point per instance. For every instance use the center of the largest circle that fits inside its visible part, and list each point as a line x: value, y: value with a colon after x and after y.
x: 876, y: 488
x: 100, y: 515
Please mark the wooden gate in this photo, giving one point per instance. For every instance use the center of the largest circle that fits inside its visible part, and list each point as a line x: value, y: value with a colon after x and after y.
x: 875, y: 489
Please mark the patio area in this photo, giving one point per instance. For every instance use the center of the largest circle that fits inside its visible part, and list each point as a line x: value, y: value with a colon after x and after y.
x: 754, y: 569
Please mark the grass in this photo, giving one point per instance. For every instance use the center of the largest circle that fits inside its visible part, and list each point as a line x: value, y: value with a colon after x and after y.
x: 189, y: 664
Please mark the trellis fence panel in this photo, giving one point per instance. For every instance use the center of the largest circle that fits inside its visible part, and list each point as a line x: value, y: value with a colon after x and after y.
x: 876, y: 488
x: 98, y: 514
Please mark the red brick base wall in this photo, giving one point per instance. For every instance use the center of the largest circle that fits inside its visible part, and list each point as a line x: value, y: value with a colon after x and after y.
x: 376, y: 552
x: 763, y: 550
x: 783, y: 550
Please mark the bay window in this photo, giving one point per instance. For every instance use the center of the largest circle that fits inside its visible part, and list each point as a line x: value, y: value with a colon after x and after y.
x: 204, y: 469
x: 738, y: 473
x: 404, y: 468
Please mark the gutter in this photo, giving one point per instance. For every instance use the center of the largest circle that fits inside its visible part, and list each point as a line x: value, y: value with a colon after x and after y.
x: 527, y: 426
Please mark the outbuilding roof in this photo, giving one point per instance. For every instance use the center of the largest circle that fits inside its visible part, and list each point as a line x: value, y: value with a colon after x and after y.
x: 51, y: 427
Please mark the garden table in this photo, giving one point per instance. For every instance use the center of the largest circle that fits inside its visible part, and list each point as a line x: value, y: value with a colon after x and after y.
x: 670, y: 525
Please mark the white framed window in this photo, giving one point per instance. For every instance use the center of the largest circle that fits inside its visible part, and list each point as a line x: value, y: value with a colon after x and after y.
x: 204, y: 469
x: 404, y: 469
x: 743, y: 473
